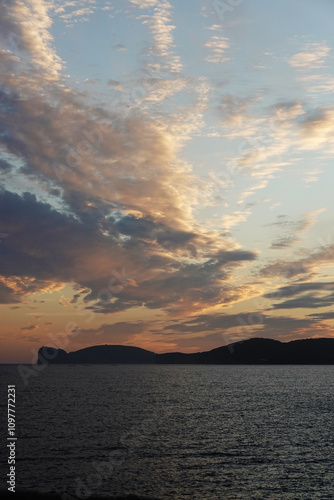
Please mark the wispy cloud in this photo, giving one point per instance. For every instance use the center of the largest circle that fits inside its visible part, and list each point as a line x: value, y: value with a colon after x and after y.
x: 116, y: 85
x: 73, y: 11
x: 234, y: 218
x: 292, y: 230
x: 25, y: 28
x: 317, y: 128
x: 29, y: 328
x: 310, y: 295
x: 161, y: 29
x: 217, y: 47
x: 144, y: 4
x: 312, y: 57
x: 302, y: 267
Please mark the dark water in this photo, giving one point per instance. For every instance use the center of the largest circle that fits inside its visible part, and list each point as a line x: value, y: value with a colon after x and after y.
x: 176, y: 432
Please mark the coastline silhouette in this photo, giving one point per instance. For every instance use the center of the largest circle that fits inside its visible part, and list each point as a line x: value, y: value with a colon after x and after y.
x: 251, y: 351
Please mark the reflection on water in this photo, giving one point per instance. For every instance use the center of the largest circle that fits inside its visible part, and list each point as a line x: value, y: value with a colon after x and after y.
x: 178, y: 432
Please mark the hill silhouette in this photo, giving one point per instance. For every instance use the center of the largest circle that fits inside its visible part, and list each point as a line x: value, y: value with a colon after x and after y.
x: 100, y: 354
x: 251, y: 351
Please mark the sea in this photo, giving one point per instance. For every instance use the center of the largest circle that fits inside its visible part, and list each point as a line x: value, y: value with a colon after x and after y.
x: 203, y: 432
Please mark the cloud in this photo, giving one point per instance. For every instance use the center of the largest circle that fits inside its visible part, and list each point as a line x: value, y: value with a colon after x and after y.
x: 233, y: 110
x: 309, y: 295
x: 25, y: 27
x: 181, y: 287
x: 288, y: 269
x: 222, y: 329
x: 153, y: 87
x: 29, y: 328
x: 263, y: 138
x: 48, y: 249
x: 215, y: 27
x: 280, y: 136
x: 309, y: 301
x: 119, y: 46
x: 199, y: 332
x: 130, y: 162
x: 91, y: 149
x: 108, y: 6
x: 322, y: 316
x: 7, y: 294
x: 115, y: 85
x: 144, y: 4
x: 148, y: 229
x: 135, y: 156
x: 312, y: 262
x: 320, y: 83
x: 73, y: 11
x: 206, y: 323
x: 313, y: 57
x: 15, y: 287
x: 295, y: 228
x: 111, y: 186
x: 121, y: 332
x: 312, y: 176
x: 232, y: 219
x: 217, y: 47
x: 91, y: 81
x: 251, y: 190
x: 317, y: 128
x: 38, y: 239
x: 161, y: 28
x: 300, y: 288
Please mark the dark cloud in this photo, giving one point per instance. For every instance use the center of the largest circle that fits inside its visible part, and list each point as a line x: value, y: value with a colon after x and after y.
x: 213, y: 322
x: 324, y: 315
x: 221, y: 329
x: 182, y: 287
x: 29, y: 328
x: 42, y: 242
x: 5, y: 166
x: 285, y: 269
x: 7, y: 294
x: 294, y: 229
x: 147, y: 228
x: 208, y: 322
x: 292, y: 290
x: 322, y: 296
x: 306, y: 302
x: 46, y: 245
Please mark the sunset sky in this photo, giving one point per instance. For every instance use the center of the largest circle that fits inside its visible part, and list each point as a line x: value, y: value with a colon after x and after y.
x: 167, y: 173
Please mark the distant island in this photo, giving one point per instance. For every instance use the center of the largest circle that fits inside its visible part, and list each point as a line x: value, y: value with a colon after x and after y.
x: 252, y: 351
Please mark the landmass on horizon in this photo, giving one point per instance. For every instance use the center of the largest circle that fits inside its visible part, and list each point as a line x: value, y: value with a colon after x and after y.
x: 251, y: 351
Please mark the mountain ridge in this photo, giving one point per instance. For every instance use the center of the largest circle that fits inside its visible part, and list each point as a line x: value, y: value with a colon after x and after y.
x: 256, y: 350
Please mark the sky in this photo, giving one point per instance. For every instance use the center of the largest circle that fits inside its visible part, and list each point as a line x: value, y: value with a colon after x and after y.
x: 166, y: 173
